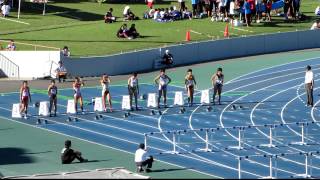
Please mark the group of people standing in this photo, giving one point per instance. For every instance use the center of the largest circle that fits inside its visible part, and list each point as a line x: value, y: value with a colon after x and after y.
x: 162, y: 81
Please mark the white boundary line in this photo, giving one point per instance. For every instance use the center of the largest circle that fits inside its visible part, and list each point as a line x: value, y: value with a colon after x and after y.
x: 16, y: 21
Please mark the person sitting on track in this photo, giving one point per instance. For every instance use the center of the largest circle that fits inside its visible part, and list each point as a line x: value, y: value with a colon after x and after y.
x: 77, y: 94
x: 167, y: 58
x: 108, y: 17
x: 162, y: 80
x: 61, y: 72
x: 133, y: 88
x: 25, y: 97
x: 68, y: 155
x: 52, y: 93
x: 105, y: 81
x: 190, y: 83
x: 142, y: 160
x: 217, y: 83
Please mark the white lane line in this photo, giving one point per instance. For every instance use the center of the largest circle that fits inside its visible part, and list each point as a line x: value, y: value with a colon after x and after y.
x: 221, y: 115
x: 260, y: 70
x: 102, y: 145
x: 249, y: 160
x: 240, y: 29
x: 200, y: 158
x: 266, y: 135
x: 285, y: 106
x: 16, y: 21
x: 113, y: 137
x: 271, y: 73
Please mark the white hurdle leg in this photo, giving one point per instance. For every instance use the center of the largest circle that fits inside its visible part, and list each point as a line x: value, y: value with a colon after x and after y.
x: 239, y: 167
x: 302, y: 142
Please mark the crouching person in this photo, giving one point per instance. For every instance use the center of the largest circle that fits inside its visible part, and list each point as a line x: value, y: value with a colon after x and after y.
x: 142, y: 160
x: 68, y: 155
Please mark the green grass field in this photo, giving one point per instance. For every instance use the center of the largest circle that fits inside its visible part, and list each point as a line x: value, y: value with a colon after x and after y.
x: 79, y: 25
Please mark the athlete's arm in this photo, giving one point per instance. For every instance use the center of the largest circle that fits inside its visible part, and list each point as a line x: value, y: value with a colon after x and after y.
x: 156, y: 79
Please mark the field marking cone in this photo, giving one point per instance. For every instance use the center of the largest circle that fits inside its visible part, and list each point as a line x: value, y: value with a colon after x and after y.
x: 226, y: 31
x: 188, y: 38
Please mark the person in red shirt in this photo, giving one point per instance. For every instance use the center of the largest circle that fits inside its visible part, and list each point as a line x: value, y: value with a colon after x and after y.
x: 268, y: 9
x: 253, y: 9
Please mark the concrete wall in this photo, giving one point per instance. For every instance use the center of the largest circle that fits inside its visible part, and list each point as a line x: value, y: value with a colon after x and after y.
x: 194, y: 53
x: 33, y: 64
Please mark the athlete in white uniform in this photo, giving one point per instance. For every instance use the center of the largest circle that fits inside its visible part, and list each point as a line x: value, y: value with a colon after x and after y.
x: 25, y: 97
x: 133, y: 89
x: 190, y: 83
x: 162, y: 80
x: 105, y: 81
x: 77, y: 93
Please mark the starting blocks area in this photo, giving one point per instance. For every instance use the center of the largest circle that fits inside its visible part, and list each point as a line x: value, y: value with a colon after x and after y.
x: 263, y: 129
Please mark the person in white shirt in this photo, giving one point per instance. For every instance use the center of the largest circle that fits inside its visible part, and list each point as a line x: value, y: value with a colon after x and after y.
x: 315, y: 25
x: 5, y: 8
x: 309, y: 85
x: 61, y: 72
x: 142, y: 159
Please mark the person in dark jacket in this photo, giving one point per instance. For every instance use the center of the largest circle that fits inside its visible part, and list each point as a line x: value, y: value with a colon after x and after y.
x: 68, y: 155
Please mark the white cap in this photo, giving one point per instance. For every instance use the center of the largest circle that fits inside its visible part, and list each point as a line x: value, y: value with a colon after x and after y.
x: 167, y: 51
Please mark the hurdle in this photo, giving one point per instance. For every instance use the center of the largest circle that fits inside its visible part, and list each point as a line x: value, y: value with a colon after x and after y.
x: 175, y: 135
x: 240, y: 138
x: 302, y: 125
x: 270, y: 145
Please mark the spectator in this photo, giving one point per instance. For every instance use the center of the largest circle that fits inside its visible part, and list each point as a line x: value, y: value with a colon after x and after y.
x: 316, y: 25
x: 174, y: 14
x: 5, y: 8
x: 252, y: 10
x: 186, y: 14
x: 65, y: 51
x: 258, y: 10
x: 247, y: 12
x: 108, y: 17
x: 222, y: 9
x: 61, y: 72
x: 182, y: 5
x: 194, y: 7
x: 123, y: 32
x: 296, y: 7
x: 68, y: 155
x: 167, y: 58
x: 150, y: 3
x: 128, y: 14
x: 133, y: 32
x: 156, y: 15
x: 11, y: 46
x: 268, y: 10
x: 142, y: 160
x: 317, y: 11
